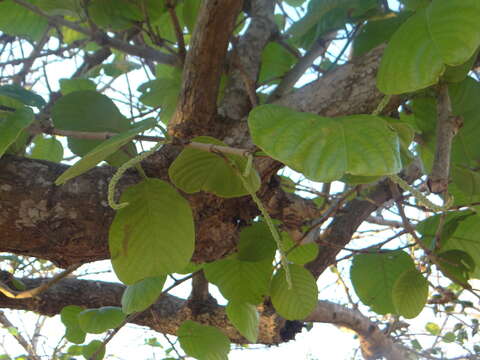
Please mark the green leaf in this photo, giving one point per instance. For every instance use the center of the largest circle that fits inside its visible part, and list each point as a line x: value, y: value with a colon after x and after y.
x: 410, y: 293
x: 276, y: 61
x: 295, y: 3
x: 195, y: 170
x: 433, y: 328
x: 69, y: 317
x: 75, y: 350
x: 245, y: 318
x: 299, y: 254
x: 202, y: 341
x: 190, y: 13
x: 141, y: 234
x: 453, y: 27
x: 103, y: 151
x: 89, y: 350
x: 47, y: 149
x: 377, y: 31
x: 256, y: 243
x: 459, y: 73
x: 87, y: 111
x: 324, y: 149
x: 96, y: 321
x: 27, y: 97
x: 163, y: 92
x: 299, y: 301
x: 411, y: 61
x: 243, y: 281
x: 19, y: 21
x: 71, y: 85
x: 114, y: 14
x: 449, y: 337
x: 374, y: 275
x: 457, y: 265
x: 139, y: 296
x: 11, y: 126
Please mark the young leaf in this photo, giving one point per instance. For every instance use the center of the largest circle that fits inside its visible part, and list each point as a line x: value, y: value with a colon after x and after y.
x: 195, y: 170
x: 103, y: 151
x: 69, y: 317
x: 324, y: 149
x: 96, y: 321
x: 411, y: 61
x: 244, y: 317
x: 410, y: 293
x: 299, y: 301
x: 299, y: 254
x: 453, y: 26
x: 92, y: 348
x: 374, y: 275
x: 244, y: 281
x: 12, y: 125
x: 87, y: 111
x: 152, y: 236
x: 47, y: 149
x: 202, y: 341
x: 139, y: 296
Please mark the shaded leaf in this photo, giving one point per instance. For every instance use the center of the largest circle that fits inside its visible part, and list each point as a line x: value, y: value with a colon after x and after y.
x: 141, y: 234
x: 244, y: 317
x: 141, y: 295
x: 96, y: 321
x: 256, y: 243
x: 25, y: 96
x: 69, y: 317
x: 47, y: 149
x: 299, y: 301
x: 11, y: 126
x: 89, y: 350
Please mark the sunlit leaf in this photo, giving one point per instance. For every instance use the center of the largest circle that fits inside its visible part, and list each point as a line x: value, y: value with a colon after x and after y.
x: 69, y: 317
x: 96, y: 321
x: 203, y: 342
x: 139, y: 296
x: 47, y: 149
x: 245, y: 318
x: 410, y: 293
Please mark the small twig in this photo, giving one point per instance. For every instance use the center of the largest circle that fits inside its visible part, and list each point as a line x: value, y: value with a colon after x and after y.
x: 178, y: 30
x: 5, y: 290
x: 20, y: 339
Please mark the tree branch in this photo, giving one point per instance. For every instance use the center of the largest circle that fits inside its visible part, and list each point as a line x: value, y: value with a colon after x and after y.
x: 197, y: 105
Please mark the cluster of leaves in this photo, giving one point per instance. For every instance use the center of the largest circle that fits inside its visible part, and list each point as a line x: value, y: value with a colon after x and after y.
x: 429, y: 42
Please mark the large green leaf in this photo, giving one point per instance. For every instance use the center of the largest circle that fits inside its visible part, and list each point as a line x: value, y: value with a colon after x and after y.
x: 154, y: 234
x: 139, y: 296
x: 374, y: 275
x: 114, y: 14
x: 457, y: 265
x: 195, y: 170
x: 324, y: 149
x: 377, y: 31
x: 47, y: 149
x: 276, y: 61
x: 19, y: 21
x: 27, y: 97
x: 299, y: 301
x: 411, y: 61
x: 96, y: 321
x: 87, y: 111
x: 202, y: 341
x: 103, y: 151
x: 256, y: 243
x: 11, y: 126
x: 453, y: 27
x: 244, y: 281
x: 190, y: 13
x: 78, y: 84
x: 244, y: 317
x: 410, y: 293
x: 69, y: 317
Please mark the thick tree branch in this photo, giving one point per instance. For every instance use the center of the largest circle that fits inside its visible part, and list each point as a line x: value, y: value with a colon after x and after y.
x: 204, y: 64
x: 167, y: 314
x: 344, y: 225
x: 245, y: 61
x: 374, y: 343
